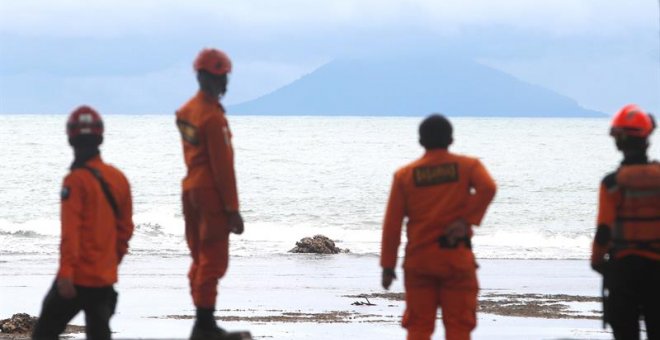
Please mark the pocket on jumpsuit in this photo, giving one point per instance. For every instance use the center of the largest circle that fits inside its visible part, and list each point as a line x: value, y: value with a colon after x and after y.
x: 463, y: 260
x: 213, y: 217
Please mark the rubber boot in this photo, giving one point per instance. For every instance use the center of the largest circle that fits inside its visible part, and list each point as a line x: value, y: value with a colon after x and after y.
x: 206, y: 328
x: 218, y: 333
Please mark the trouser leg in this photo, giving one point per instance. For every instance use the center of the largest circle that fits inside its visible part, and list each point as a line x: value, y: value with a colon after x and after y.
x: 192, y: 239
x: 651, y: 304
x: 208, y: 239
x: 623, y: 303
x: 99, y: 306
x: 651, y: 312
x: 56, y: 312
x: 458, y: 301
x: 421, y: 306
x: 213, y: 261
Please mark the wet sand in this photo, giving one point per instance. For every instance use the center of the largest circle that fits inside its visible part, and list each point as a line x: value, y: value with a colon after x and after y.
x: 557, y: 306
x: 298, y: 296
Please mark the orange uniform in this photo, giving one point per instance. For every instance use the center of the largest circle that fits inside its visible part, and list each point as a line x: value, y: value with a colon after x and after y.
x: 433, y: 191
x: 209, y: 192
x: 93, y: 240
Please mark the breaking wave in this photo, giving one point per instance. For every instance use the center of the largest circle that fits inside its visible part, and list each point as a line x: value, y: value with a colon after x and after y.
x: 166, y: 238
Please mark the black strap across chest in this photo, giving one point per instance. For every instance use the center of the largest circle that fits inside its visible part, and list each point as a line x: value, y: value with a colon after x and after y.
x: 105, y: 187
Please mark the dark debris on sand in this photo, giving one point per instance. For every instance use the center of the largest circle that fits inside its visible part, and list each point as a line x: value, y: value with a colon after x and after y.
x: 281, y: 316
x: 385, y: 296
x: 547, y: 306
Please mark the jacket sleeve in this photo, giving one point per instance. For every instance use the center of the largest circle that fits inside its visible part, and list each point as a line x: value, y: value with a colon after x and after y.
x: 72, y: 197
x: 394, y: 215
x: 605, y: 221
x: 221, y: 157
x: 125, y: 224
x: 484, y: 191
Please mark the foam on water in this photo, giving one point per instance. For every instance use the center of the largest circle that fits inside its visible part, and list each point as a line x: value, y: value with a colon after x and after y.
x: 159, y: 234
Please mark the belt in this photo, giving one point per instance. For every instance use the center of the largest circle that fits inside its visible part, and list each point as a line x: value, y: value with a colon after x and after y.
x: 443, y: 242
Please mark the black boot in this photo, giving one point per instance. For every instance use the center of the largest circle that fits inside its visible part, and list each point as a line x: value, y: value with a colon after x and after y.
x: 215, y: 333
x: 205, y: 328
x: 218, y: 333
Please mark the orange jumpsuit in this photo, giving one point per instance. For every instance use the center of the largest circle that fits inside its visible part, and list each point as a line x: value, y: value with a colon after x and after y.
x: 209, y: 193
x: 93, y: 240
x: 432, y: 192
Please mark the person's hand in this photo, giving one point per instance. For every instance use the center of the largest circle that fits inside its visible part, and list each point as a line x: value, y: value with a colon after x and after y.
x: 235, y: 222
x: 456, y: 231
x: 65, y: 288
x: 599, y: 258
x: 387, y: 278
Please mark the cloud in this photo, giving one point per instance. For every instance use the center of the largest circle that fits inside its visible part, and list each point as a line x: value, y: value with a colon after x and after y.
x: 105, y: 18
x: 150, y: 44
x: 151, y: 93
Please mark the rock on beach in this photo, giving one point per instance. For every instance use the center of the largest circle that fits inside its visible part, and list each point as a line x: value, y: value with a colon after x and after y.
x: 318, y: 244
x: 19, y: 323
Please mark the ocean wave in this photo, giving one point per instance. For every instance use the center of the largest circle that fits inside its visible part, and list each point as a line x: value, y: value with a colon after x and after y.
x: 150, y: 229
x: 164, y: 236
x: 32, y: 228
x: 22, y: 233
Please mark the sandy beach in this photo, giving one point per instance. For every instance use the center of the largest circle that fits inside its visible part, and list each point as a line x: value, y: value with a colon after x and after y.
x: 300, y: 296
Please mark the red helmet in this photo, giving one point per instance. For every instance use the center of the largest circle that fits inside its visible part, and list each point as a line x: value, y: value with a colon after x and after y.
x: 213, y: 61
x: 631, y: 120
x: 84, y: 121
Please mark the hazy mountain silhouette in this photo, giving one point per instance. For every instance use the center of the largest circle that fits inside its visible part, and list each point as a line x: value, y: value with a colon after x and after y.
x: 414, y: 87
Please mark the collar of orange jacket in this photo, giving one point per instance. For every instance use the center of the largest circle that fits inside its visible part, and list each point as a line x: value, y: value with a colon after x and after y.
x: 436, y: 152
x: 209, y: 99
x: 201, y: 95
x: 96, y: 160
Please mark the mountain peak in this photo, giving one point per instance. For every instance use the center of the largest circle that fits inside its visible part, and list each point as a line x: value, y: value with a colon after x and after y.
x: 412, y: 87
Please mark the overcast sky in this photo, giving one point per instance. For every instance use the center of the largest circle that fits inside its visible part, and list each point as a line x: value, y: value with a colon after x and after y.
x: 132, y: 56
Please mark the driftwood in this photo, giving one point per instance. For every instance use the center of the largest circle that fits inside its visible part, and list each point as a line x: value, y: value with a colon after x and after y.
x: 362, y: 303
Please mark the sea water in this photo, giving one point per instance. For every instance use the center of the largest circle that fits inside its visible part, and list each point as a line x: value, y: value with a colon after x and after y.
x: 302, y: 176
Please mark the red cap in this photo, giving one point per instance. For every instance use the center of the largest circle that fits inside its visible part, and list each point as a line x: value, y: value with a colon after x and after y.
x: 213, y: 61
x: 84, y: 121
x: 631, y: 120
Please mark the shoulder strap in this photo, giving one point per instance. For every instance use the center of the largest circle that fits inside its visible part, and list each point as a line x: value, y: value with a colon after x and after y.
x: 610, y: 181
x: 105, y: 188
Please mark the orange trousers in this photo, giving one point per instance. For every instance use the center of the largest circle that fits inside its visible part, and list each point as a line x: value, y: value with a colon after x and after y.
x: 449, y: 285
x: 207, y: 235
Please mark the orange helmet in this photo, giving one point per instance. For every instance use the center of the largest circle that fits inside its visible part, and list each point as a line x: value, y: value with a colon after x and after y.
x: 631, y: 120
x: 213, y: 61
x: 84, y: 121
